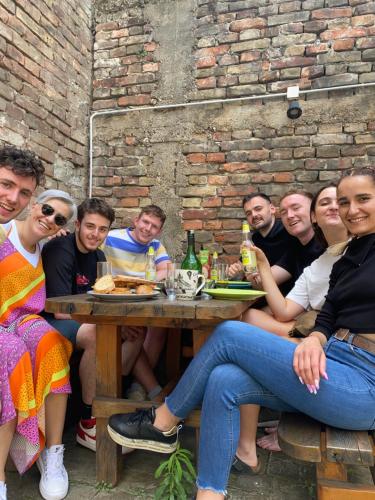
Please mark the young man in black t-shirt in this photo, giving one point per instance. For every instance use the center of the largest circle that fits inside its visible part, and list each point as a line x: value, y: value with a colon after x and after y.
x: 70, y: 267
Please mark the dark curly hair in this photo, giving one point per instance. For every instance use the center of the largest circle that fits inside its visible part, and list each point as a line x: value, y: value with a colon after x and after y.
x: 95, y: 206
x: 22, y: 162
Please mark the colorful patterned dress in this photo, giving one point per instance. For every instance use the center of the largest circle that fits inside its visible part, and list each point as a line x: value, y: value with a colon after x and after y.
x: 34, y: 358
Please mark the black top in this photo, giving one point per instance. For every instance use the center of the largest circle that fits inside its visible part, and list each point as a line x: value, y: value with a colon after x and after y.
x: 350, y: 302
x: 69, y: 271
x: 274, y: 245
x: 300, y: 256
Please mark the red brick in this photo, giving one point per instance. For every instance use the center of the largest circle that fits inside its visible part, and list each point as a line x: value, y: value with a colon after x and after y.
x: 292, y: 62
x: 150, y: 46
x: 206, y: 62
x: 317, y: 49
x: 252, y: 55
x: 212, y: 225
x: 232, y: 224
x: 261, y: 178
x: 196, y: 158
x: 249, y: 23
x: 216, y: 157
x: 191, y: 214
x: 239, y: 167
x: 332, y: 13
x: 131, y: 191
x: 339, y: 45
x: 135, y: 100
x: 367, y: 20
x: 130, y: 140
x: 237, y: 191
x: 343, y: 33
x: 151, y: 67
x: 283, y: 177
x: 212, y: 51
x: 106, y: 26
x: 233, y: 202
x: 192, y: 224
x: 120, y: 33
x: 128, y: 202
x: 211, y: 202
x: 218, y: 180
x: 206, y: 83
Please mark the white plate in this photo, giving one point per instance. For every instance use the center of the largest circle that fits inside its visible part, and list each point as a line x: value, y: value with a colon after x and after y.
x: 120, y: 297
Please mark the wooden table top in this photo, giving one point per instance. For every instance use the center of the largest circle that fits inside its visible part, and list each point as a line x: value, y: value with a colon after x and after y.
x: 158, y: 308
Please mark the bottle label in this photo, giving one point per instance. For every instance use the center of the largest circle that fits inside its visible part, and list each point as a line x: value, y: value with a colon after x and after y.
x: 249, y: 260
x: 214, y: 275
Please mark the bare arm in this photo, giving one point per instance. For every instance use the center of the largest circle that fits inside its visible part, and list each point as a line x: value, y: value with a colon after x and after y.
x: 161, y: 270
x: 283, y: 309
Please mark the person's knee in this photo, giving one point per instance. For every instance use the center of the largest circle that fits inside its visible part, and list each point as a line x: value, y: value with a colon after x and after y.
x: 224, y: 381
x: 231, y: 330
x: 86, y: 337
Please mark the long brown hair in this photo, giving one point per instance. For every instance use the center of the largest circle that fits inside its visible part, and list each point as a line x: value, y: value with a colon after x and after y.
x: 319, y: 235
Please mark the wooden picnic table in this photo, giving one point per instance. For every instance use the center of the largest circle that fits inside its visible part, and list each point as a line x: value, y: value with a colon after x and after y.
x: 198, y: 315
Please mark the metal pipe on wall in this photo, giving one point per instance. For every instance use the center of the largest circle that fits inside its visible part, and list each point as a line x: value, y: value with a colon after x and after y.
x: 109, y: 112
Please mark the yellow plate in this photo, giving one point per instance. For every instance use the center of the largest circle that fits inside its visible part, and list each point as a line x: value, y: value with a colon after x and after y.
x: 229, y: 294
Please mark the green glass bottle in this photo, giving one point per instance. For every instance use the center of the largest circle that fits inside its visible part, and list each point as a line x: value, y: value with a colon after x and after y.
x: 191, y: 260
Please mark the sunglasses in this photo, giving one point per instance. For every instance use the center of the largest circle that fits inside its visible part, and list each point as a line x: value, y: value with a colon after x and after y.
x: 59, y: 219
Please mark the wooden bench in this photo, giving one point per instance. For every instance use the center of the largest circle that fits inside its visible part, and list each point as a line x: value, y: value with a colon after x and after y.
x: 332, y: 450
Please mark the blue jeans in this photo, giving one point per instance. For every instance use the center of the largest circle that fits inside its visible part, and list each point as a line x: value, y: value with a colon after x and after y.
x: 242, y: 364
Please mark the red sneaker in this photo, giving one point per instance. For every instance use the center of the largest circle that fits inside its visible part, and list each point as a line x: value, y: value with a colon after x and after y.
x: 86, y: 433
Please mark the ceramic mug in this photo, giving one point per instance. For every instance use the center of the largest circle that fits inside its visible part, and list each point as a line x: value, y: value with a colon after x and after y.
x: 188, y: 283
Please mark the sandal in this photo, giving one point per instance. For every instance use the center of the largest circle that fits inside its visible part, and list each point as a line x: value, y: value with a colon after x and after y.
x: 240, y: 467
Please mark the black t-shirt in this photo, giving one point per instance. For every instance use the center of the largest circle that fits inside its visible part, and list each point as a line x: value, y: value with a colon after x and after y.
x: 300, y: 256
x: 69, y: 271
x: 277, y: 242
x: 351, y: 296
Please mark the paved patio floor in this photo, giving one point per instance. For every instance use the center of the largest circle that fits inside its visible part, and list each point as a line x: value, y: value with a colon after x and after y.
x: 285, y: 479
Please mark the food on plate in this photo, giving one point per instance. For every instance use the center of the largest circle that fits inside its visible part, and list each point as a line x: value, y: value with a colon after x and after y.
x: 143, y: 289
x: 121, y: 290
x: 105, y: 284
x: 122, y: 284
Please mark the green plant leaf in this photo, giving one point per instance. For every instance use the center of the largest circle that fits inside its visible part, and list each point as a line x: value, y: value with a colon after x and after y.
x: 160, y: 469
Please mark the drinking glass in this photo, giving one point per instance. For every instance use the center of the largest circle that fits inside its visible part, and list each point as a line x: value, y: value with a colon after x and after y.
x: 170, y: 281
x: 222, y: 271
x: 103, y: 268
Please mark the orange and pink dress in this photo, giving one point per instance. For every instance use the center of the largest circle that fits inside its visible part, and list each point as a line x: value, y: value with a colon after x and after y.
x: 34, y: 358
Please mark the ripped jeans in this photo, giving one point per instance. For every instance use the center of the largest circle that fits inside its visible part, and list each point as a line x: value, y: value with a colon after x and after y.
x: 242, y: 364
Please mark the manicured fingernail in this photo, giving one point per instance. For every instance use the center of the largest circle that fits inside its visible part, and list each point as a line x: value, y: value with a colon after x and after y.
x: 325, y: 375
x: 310, y: 389
x: 316, y: 381
x: 300, y: 379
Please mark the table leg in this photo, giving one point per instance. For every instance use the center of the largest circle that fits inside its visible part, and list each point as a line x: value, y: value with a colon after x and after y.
x: 108, y: 383
x: 199, y: 338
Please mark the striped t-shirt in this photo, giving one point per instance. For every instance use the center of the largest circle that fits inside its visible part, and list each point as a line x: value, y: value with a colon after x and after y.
x: 127, y: 255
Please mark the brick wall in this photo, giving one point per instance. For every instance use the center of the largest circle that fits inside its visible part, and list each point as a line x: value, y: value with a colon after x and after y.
x: 198, y: 163
x: 45, y: 85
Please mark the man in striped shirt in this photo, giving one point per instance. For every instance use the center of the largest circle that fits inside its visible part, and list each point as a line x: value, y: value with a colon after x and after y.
x: 127, y: 250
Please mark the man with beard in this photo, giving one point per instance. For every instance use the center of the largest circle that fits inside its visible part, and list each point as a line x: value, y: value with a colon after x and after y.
x: 269, y: 234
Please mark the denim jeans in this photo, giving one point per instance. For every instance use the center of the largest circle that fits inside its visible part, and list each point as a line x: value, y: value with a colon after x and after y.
x: 242, y: 364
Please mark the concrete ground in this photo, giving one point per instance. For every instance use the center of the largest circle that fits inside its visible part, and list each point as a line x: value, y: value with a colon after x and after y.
x: 285, y: 479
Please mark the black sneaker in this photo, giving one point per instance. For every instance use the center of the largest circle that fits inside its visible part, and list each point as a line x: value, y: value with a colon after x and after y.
x: 136, y: 430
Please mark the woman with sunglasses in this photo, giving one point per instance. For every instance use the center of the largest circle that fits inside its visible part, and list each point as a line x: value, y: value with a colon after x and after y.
x: 329, y: 376
x: 34, y: 364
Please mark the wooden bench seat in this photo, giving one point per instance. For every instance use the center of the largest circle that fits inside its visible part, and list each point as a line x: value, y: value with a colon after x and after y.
x: 332, y: 450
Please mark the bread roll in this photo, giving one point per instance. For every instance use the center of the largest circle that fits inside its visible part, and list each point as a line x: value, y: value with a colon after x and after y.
x: 119, y: 290
x: 144, y: 289
x: 105, y: 284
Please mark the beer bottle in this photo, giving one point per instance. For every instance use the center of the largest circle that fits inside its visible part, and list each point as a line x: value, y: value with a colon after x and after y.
x: 191, y: 260
x: 249, y: 259
x: 214, y: 267
x: 150, y: 273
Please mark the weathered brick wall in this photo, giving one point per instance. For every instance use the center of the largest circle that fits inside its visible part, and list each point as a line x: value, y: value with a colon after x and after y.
x: 198, y: 163
x: 45, y: 85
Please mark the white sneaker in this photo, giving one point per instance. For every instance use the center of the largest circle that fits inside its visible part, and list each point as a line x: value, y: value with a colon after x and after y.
x: 54, y: 482
x: 3, y: 491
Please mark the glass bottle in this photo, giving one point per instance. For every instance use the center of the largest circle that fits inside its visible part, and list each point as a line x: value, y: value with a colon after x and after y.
x: 191, y: 260
x: 249, y: 258
x: 150, y: 273
x: 204, y: 259
x: 214, y: 267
